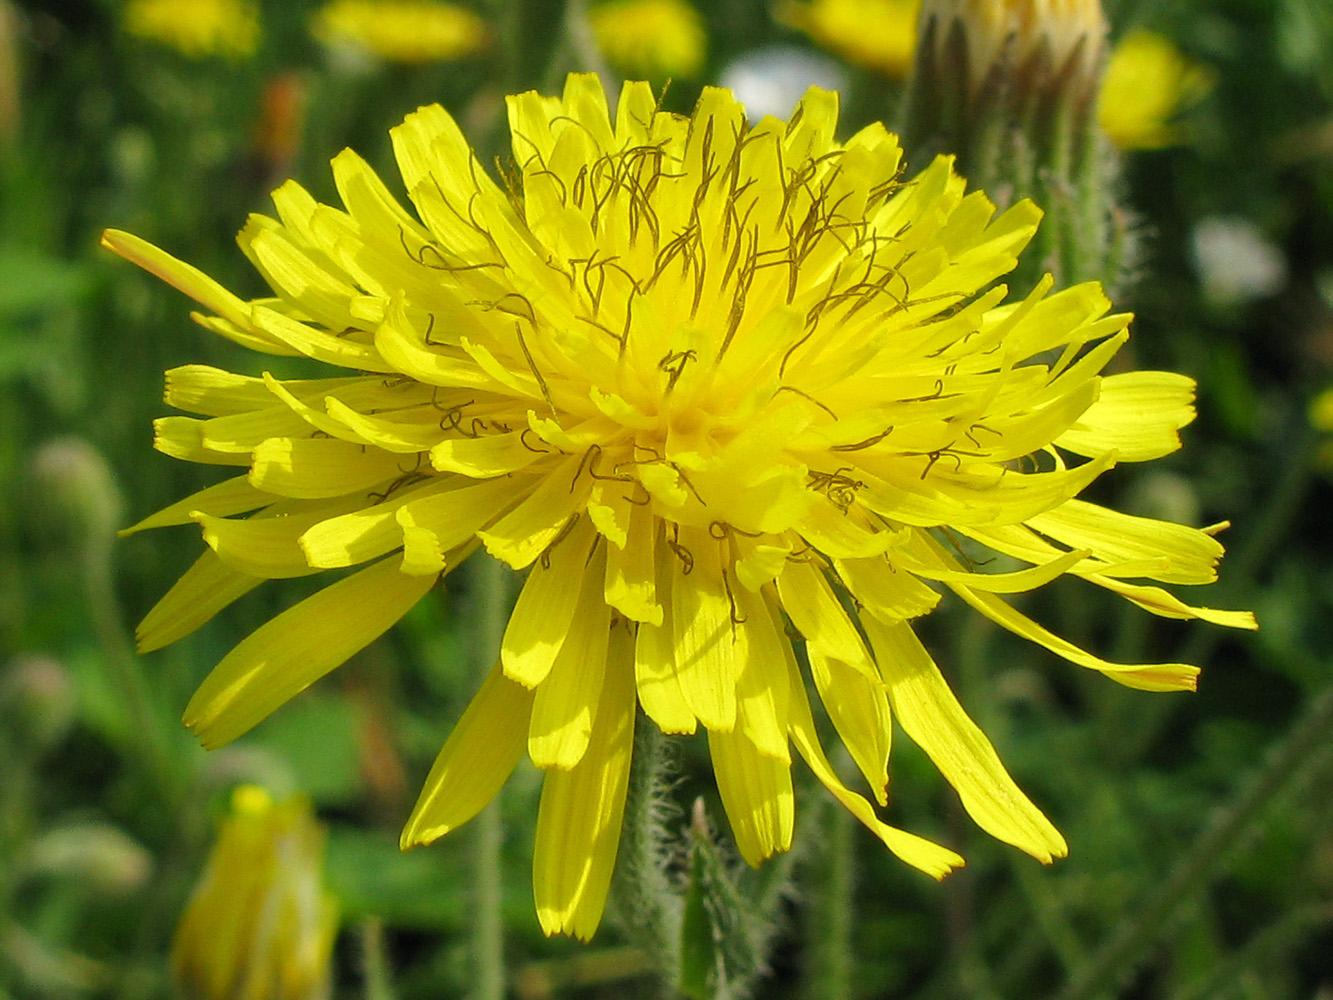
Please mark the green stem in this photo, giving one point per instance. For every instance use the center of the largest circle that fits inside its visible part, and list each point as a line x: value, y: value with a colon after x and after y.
x: 1126, y: 948
x: 379, y: 983
x: 491, y: 582
x: 645, y: 901
x: 829, y: 975
x: 1264, y: 947
x: 146, y: 737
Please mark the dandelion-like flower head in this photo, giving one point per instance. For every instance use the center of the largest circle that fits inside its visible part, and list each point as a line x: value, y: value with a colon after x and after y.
x: 401, y: 31
x: 197, y: 28
x: 876, y: 34
x: 713, y: 385
x: 657, y: 39
x: 1148, y: 81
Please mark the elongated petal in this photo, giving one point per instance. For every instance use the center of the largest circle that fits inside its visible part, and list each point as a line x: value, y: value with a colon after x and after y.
x: 477, y: 759
x: 1116, y: 537
x: 703, y: 631
x: 931, y: 716
x: 756, y: 792
x: 631, y: 570
x: 541, y: 619
x: 1145, y: 676
x: 524, y: 533
x: 1137, y: 414
x: 762, y: 693
x: 231, y: 496
x: 202, y: 591
x: 566, y: 706
x: 312, y: 468
x: 859, y: 711
x: 934, y: 860
x: 578, y: 822
x: 299, y: 646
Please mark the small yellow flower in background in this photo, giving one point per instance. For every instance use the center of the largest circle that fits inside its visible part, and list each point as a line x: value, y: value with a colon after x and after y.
x: 656, y: 39
x: 711, y: 383
x: 1148, y: 81
x: 197, y: 28
x: 1321, y: 412
x: 403, y: 31
x: 876, y: 34
x: 1320, y: 415
x: 260, y: 925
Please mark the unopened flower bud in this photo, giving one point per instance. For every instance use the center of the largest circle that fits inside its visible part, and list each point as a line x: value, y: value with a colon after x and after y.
x: 102, y: 858
x: 1022, y: 44
x: 260, y: 925
x: 76, y: 491
x: 37, y: 701
x: 1010, y: 87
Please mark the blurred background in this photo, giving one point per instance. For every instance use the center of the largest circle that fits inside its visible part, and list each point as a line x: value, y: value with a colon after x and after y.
x: 1200, y: 826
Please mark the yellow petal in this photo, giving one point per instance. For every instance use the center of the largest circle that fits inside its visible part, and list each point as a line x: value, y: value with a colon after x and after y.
x: 312, y: 468
x: 477, y: 759
x: 364, y: 534
x: 756, y: 792
x: 300, y: 280
x: 579, y: 820
x: 194, y: 283
x: 1159, y: 602
x: 265, y: 545
x: 453, y: 516
x: 702, y: 629
x: 217, y: 393
x: 884, y: 590
x: 542, y: 615
x: 523, y: 534
x: 923, y: 556
x: 231, y: 496
x: 819, y: 616
x: 631, y: 570
x: 1117, y: 537
x: 1145, y: 676
x: 183, y: 438
x: 859, y: 711
x: 566, y: 705
x: 762, y: 696
x: 658, y: 686
x: 1136, y: 414
x: 423, y: 555
x: 485, y: 456
x: 931, y: 716
x: 318, y: 344
x: 202, y: 591
x: 292, y: 651
x: 934, y: 860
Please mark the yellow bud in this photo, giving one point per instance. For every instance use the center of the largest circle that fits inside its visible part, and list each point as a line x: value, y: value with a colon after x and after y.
x: 1048, y: 38
x: 657, y: 39
x: 260, y: 925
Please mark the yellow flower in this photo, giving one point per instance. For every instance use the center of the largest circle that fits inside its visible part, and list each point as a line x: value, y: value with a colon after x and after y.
x: 657, y: 39
x: 708, y: 382
x: 197, y: 28
x: 1147, y: 82
x: 404, y: 31
x: 876, y: 34
x: 260, y: 925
